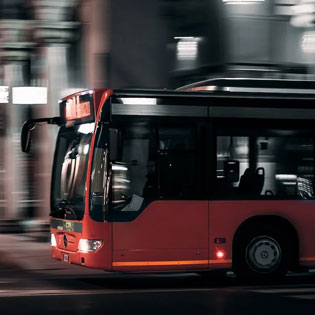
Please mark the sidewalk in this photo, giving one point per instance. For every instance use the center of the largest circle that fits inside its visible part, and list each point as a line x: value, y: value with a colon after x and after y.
x: 38, y: 229
x: 24, y: 253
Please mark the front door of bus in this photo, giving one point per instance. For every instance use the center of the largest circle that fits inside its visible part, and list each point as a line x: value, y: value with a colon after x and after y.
x: 170, y: 232
x: 167, y: 235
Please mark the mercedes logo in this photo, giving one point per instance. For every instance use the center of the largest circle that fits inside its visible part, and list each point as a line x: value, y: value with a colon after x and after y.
x: 65, y: 241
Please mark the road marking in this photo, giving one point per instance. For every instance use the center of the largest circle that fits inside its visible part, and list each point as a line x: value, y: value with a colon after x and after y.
x: 303, y: 297
x: 292, y: 290
x: 54, y: 292
x: 295, y: 293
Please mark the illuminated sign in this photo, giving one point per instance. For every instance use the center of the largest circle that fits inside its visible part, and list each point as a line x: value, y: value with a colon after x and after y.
x: 308, y: 42
x: 4, y: 94
x: 242, y: 1
x: 76, y: 108
x: 29, y: 95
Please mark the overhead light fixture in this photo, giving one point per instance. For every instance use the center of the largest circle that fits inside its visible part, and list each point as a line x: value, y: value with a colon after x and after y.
x: 187, y: 47
x: 242, y: 1
x: 138, y: 101
x: 303, y: 14
x: 29, y: 95
x: 308, y: 42
x: 86, y: 128
x: 4, y: 94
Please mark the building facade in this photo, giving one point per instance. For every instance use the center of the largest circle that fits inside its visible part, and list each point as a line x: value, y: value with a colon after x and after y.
x: 68, y: 45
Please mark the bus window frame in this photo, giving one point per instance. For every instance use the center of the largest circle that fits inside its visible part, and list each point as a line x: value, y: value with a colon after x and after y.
x: 200, y: 127
x: 279, y: 128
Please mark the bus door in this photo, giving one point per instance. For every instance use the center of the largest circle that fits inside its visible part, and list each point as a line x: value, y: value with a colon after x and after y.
x: 160, y: 222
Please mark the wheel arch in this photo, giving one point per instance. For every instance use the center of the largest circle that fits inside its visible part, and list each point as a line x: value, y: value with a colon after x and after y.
x: 272, y: 222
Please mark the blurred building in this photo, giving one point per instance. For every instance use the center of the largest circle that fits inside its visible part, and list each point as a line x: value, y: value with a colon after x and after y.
x: 36, y: 38
x: 68, y: 45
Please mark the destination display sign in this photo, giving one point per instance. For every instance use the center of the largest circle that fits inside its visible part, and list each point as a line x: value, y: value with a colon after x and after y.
x: 78, y: 108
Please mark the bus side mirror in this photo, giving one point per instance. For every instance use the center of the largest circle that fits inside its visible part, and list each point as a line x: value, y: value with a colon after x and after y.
x: 114, y: 145
x: 26, y: 136
x: 29, y: 125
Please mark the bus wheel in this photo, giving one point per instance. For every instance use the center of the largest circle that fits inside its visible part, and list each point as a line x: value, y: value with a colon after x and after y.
x: 261, y: 255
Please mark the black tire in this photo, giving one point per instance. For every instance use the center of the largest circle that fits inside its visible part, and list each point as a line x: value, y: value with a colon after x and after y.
x: 261, y: 254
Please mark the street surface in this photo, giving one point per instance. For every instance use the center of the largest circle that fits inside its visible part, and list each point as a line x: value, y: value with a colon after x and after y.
x: 33, y: 283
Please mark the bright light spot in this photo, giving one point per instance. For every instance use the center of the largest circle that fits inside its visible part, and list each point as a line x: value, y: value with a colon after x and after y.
x: 203, y: 88
x: 86, y: 246
x: 184, y: 37
x: 187, y: 48
x: 286, y: 177
x: 83, y: 246
x: 241, y: 1
x: 29, y: 95
x: 86, y: 128
x: 116, y: 167
x: 120, y: 186
x: 4, y: 94
x: 242, y: 149
x: 289, y: 183
x: 303, y: 8
x: 86, y: 149
x: 220, y: 254
x: 53, y: 240
x: 308, y: 42
x: 139, y: 101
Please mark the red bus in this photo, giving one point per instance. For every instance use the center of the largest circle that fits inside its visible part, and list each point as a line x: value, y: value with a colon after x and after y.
x: 199, y: 179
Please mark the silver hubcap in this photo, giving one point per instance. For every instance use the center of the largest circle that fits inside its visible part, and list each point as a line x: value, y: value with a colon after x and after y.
x: 263, y: 254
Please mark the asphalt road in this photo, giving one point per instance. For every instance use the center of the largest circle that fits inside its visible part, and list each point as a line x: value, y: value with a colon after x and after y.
x: 22, y: 293
x: 32, y: 283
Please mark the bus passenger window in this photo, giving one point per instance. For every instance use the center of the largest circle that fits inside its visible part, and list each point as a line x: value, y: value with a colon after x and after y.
x: 280, y: 166
x: 133, y: 183
x: 150, y: 190
x: 232, y: 155
x: 177, y: 163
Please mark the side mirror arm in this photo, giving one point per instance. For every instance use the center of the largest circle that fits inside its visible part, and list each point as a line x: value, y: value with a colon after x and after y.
x: 30, y: 125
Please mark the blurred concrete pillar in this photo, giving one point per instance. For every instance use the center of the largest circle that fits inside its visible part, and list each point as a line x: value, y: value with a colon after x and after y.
x: 14, y: 55
x: 138, y: 44
x: 196, y: 39
x: 303, y: 17
x: 54, y: 33
x: 95, y: 16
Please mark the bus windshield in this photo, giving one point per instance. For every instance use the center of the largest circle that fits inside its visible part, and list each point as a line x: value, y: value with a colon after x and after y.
x: 69, y: 171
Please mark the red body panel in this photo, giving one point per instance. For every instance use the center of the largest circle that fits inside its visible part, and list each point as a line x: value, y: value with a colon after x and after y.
x: 168, y: 235
x: 102, y: 259
x: 226, y: 216
x: 179, y: 235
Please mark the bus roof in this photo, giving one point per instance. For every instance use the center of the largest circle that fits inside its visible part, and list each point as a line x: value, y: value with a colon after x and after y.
x: 247, y: 98
x: 232, y: 93
x: 272, y: 102
x: 253, y: 85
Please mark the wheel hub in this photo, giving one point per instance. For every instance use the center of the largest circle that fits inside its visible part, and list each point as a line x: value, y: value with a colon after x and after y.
x: 263, y: 254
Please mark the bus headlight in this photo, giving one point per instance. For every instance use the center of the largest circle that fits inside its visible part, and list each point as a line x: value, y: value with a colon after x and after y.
x: 53, y: 240
x: 89, y: 246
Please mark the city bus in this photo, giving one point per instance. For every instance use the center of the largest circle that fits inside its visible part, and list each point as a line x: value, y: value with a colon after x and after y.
x: 207, y: 177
